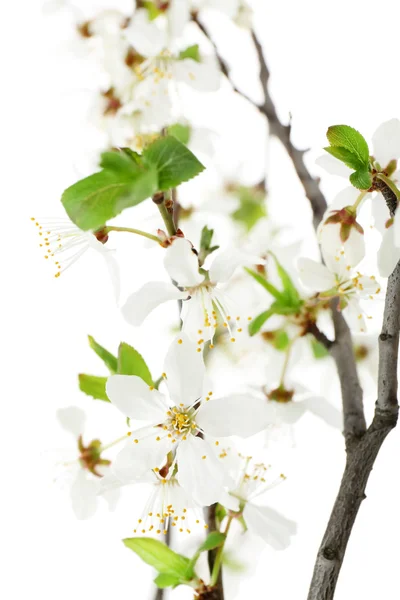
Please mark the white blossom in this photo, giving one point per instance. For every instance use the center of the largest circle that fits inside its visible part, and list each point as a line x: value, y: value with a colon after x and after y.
x: 64, y: 243
x: 87, y: 469
x: 251, y: 481
x: 339, y: 281
x: 173, y: 424
x: 204, y: 301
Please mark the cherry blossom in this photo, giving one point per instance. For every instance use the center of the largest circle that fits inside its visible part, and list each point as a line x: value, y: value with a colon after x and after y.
x: 186, y: 424
x: 204, y: 301
x: 87, y: 469
x: 64, y: 243
x: 338, y: 281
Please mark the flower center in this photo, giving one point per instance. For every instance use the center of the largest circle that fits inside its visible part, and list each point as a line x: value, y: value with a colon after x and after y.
x: 181, y: 421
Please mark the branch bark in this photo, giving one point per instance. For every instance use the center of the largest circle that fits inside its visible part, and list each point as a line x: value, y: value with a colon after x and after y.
x: 362, y: 451
x: 362, y: 444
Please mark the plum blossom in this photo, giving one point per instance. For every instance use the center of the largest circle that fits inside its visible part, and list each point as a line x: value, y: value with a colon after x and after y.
x: 340, y: 232
x: 64, y: 243
x: 159, y: 59
x: 386, y: 152
x: 338, y: 281
x: 87, y: 469
x: 204, y: 302
x: 172, y: 424
x: 168, y: 504
x: 250, y: 483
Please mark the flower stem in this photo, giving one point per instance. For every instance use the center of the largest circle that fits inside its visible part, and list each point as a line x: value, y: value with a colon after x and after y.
x: 286, y: 363
x: 114, y: 443
x: 167, y: 213
x: 359, y: 199
x: 136, y: 231
x: 218, y: 558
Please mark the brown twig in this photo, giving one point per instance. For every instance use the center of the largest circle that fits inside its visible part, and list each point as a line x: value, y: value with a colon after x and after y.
x: 362, y: 444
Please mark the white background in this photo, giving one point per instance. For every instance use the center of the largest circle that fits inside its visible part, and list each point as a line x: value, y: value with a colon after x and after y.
x: 331, y: 62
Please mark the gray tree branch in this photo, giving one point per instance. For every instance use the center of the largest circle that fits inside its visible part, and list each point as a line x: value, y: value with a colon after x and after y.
x: 362, y: 451
x: 362, y: 444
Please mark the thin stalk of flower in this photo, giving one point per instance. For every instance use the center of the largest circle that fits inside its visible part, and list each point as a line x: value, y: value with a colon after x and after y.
x: 287, y: 358
x: 114, y: 443
x: 149, y: 236
x: 220, y: 552
x: 359, y: 200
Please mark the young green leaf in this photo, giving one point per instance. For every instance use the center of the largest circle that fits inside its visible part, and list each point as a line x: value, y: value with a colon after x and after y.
x: 152, y: 9
x: 93, y: 386
x: 256, y: 324
x: 206, y: 238
x: 109, y: 359
x: 130, y: 362
x: 348, y: 158
x: 192, y: 52
x: 290, y: 290
x: 252, y: 206
x: 266, y: 284
x: 180, y: 132
x: 213, y: 540
x: 92, y: 201
x: 165, y: 580
x: 173, y: 161
x: 351, y: 139
x: 159, y: 556
x: 319, y: 351
x: 361, y: 179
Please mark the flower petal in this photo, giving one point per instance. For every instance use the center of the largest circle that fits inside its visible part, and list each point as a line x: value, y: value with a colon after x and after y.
x: 140, y: 304
x: 146, y: 37
x: 182, y: 263
x: 83, y: 494
x: 386, y: 142
x: 388, y: 254
x: 320, y: 407
x: 236, y: 415
x: 354, y: 315
x: 185, y: 370
x: 72, y: 419
x: 200, y: 472
x: 315, y: 276
x: 139, y: 457
x: 135, y: 399
x: 354, y: 248
x: 197, y: 315
x: 333, y: 166
x: 270, y: 525
x: 396, y: 229
x: 202, y: 76
x: 226, y: 263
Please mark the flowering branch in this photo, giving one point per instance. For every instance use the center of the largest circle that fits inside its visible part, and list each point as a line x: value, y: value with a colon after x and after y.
x: 361, y: 453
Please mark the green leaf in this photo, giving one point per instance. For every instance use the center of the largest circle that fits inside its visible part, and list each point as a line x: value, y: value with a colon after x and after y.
x: 266, y: 284
x: 213, y: 540
x: 93, y: 386
x: 347, y: 157
x: 173, y: 161
x: 318, y: 349
x: 190, y: 52
x: 122, y: 183
x: 256, y: 324
x: 130, y: 362
x: 159, y: 556
x: 165, y: 580
x: 109, y: 359
x: 350, y: 139
x: 180, y: 132
x: 362, y: 179
x: 206, y: 238
x: 279, y: 339
x: 251, y: 206
x: 152, y: 10
x: 290, y: 290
